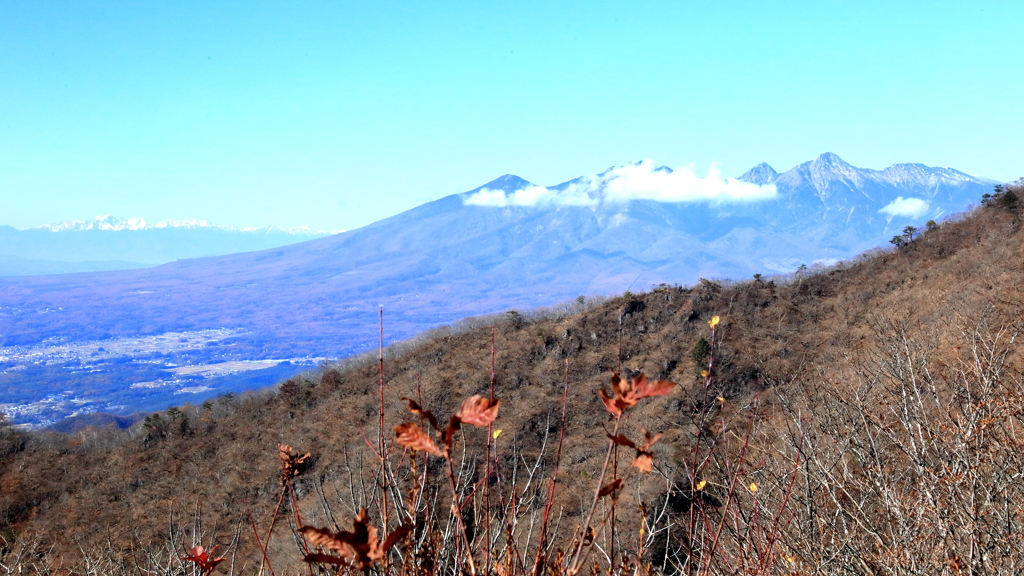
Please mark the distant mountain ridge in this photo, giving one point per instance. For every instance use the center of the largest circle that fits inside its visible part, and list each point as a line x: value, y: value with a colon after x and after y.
x: 508, y: 244
x: 111, y: 223
x: 846, y: 208
x: 112, y: 243
x: 829, y: 174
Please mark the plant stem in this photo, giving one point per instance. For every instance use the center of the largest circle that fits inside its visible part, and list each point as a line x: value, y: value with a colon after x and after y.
x: 487, y: 472
x: 577, y: 560
x: 554, y: 477
x: 380, y: 430
x: 457, y: 511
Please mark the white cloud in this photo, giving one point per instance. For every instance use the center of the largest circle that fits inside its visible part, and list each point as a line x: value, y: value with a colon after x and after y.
x: 911, y: 207
x: 643, y: 181
x: 532, y: 196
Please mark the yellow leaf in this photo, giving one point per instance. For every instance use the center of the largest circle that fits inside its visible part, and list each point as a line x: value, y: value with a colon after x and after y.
x: 753, y: 487
x: 702, y: 484
x: 704, y: 373
x: 714, y: 321
x: 496, y: 434
x: 722, y: 400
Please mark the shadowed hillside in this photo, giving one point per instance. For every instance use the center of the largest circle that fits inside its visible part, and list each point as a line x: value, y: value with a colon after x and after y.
x: 857, y: 395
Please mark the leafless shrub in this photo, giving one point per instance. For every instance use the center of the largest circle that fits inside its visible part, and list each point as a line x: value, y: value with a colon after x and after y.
x: 916, y: 464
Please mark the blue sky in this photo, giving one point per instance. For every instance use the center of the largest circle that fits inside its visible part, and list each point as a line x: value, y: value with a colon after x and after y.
x: 336, y: 114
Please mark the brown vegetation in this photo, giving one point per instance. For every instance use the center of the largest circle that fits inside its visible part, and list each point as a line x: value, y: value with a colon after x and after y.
x: 860, y: 420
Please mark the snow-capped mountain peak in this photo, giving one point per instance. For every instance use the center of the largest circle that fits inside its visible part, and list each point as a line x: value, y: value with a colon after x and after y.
x: 832, y: 180
x: 760, y: 174
x: 109, y: 223
x: 104, y: 222
x: 921, y: 175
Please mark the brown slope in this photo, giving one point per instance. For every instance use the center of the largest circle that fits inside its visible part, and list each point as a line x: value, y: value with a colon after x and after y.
x: 75, y: 493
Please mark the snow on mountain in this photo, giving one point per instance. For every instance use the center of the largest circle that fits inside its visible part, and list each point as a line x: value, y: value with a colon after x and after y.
x: 107, y: 222
x: 111, y: 243
x: 760, y: 174
x: 829, y: 174
x: 487, y: 250
x: 623, y: 184
x: 837, y: 205
x: 111, y: 223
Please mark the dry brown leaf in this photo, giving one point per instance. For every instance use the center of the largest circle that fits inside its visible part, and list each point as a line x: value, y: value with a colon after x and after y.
x: 410, y: 435
x: 614, y: 404
x: 644, y: 388
x: 644, y: 459
x: 643, y: 462
x: 611, y: 488
x: 626, y: 394
x: 478, y: 411
x: 291, y: 461
x: 454, y: 424
x: 397, y: 535
x: 649, y: 440
x: 622, y: 441
x: 327, y: 559
x: 203, y: 560
x: 361, y: 546
x: 415, y: 408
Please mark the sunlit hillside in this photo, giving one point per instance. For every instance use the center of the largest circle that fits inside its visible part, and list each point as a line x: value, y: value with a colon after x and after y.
x: 858, y: 419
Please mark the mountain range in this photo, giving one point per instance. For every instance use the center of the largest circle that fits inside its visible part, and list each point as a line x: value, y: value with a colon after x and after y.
x: 112, y: 243
x: 861, y: 420
x: 508, y: 244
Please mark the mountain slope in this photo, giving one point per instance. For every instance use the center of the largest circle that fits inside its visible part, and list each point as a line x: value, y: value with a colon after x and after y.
x: 829, y: 334
x: 844, y: 207
x: 451, y: 258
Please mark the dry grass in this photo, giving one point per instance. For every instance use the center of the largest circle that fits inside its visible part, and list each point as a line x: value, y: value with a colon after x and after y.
x: 861, y: 420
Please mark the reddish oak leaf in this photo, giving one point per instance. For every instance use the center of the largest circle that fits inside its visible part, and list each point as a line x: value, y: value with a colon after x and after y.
x: 644, y: 388
x: 618, y: 401
x: 612, y: 404
x: 644, y: 459
x: 611, y: 488
x: 622, y: 441
x: 415, y: 408
x: 410, y: 435
x: 291, y: 462
x: 649, y: 440
x: 478, y: 411
x: 625, y: 394
x: 361, y: 547
x: 203, y: 560
x: 397, y: 535
x: 327, y: 559
x: 643, y: 462
x: 454, y: 424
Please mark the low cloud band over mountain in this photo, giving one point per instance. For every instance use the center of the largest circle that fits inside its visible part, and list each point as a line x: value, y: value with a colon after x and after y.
x: 638, y: 181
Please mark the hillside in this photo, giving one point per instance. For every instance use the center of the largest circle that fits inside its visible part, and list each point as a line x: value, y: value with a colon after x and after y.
x: 505, y: 245
x: 828, y: 357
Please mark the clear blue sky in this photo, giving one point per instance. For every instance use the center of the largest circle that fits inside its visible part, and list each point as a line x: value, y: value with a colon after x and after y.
x: 335, y: 114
